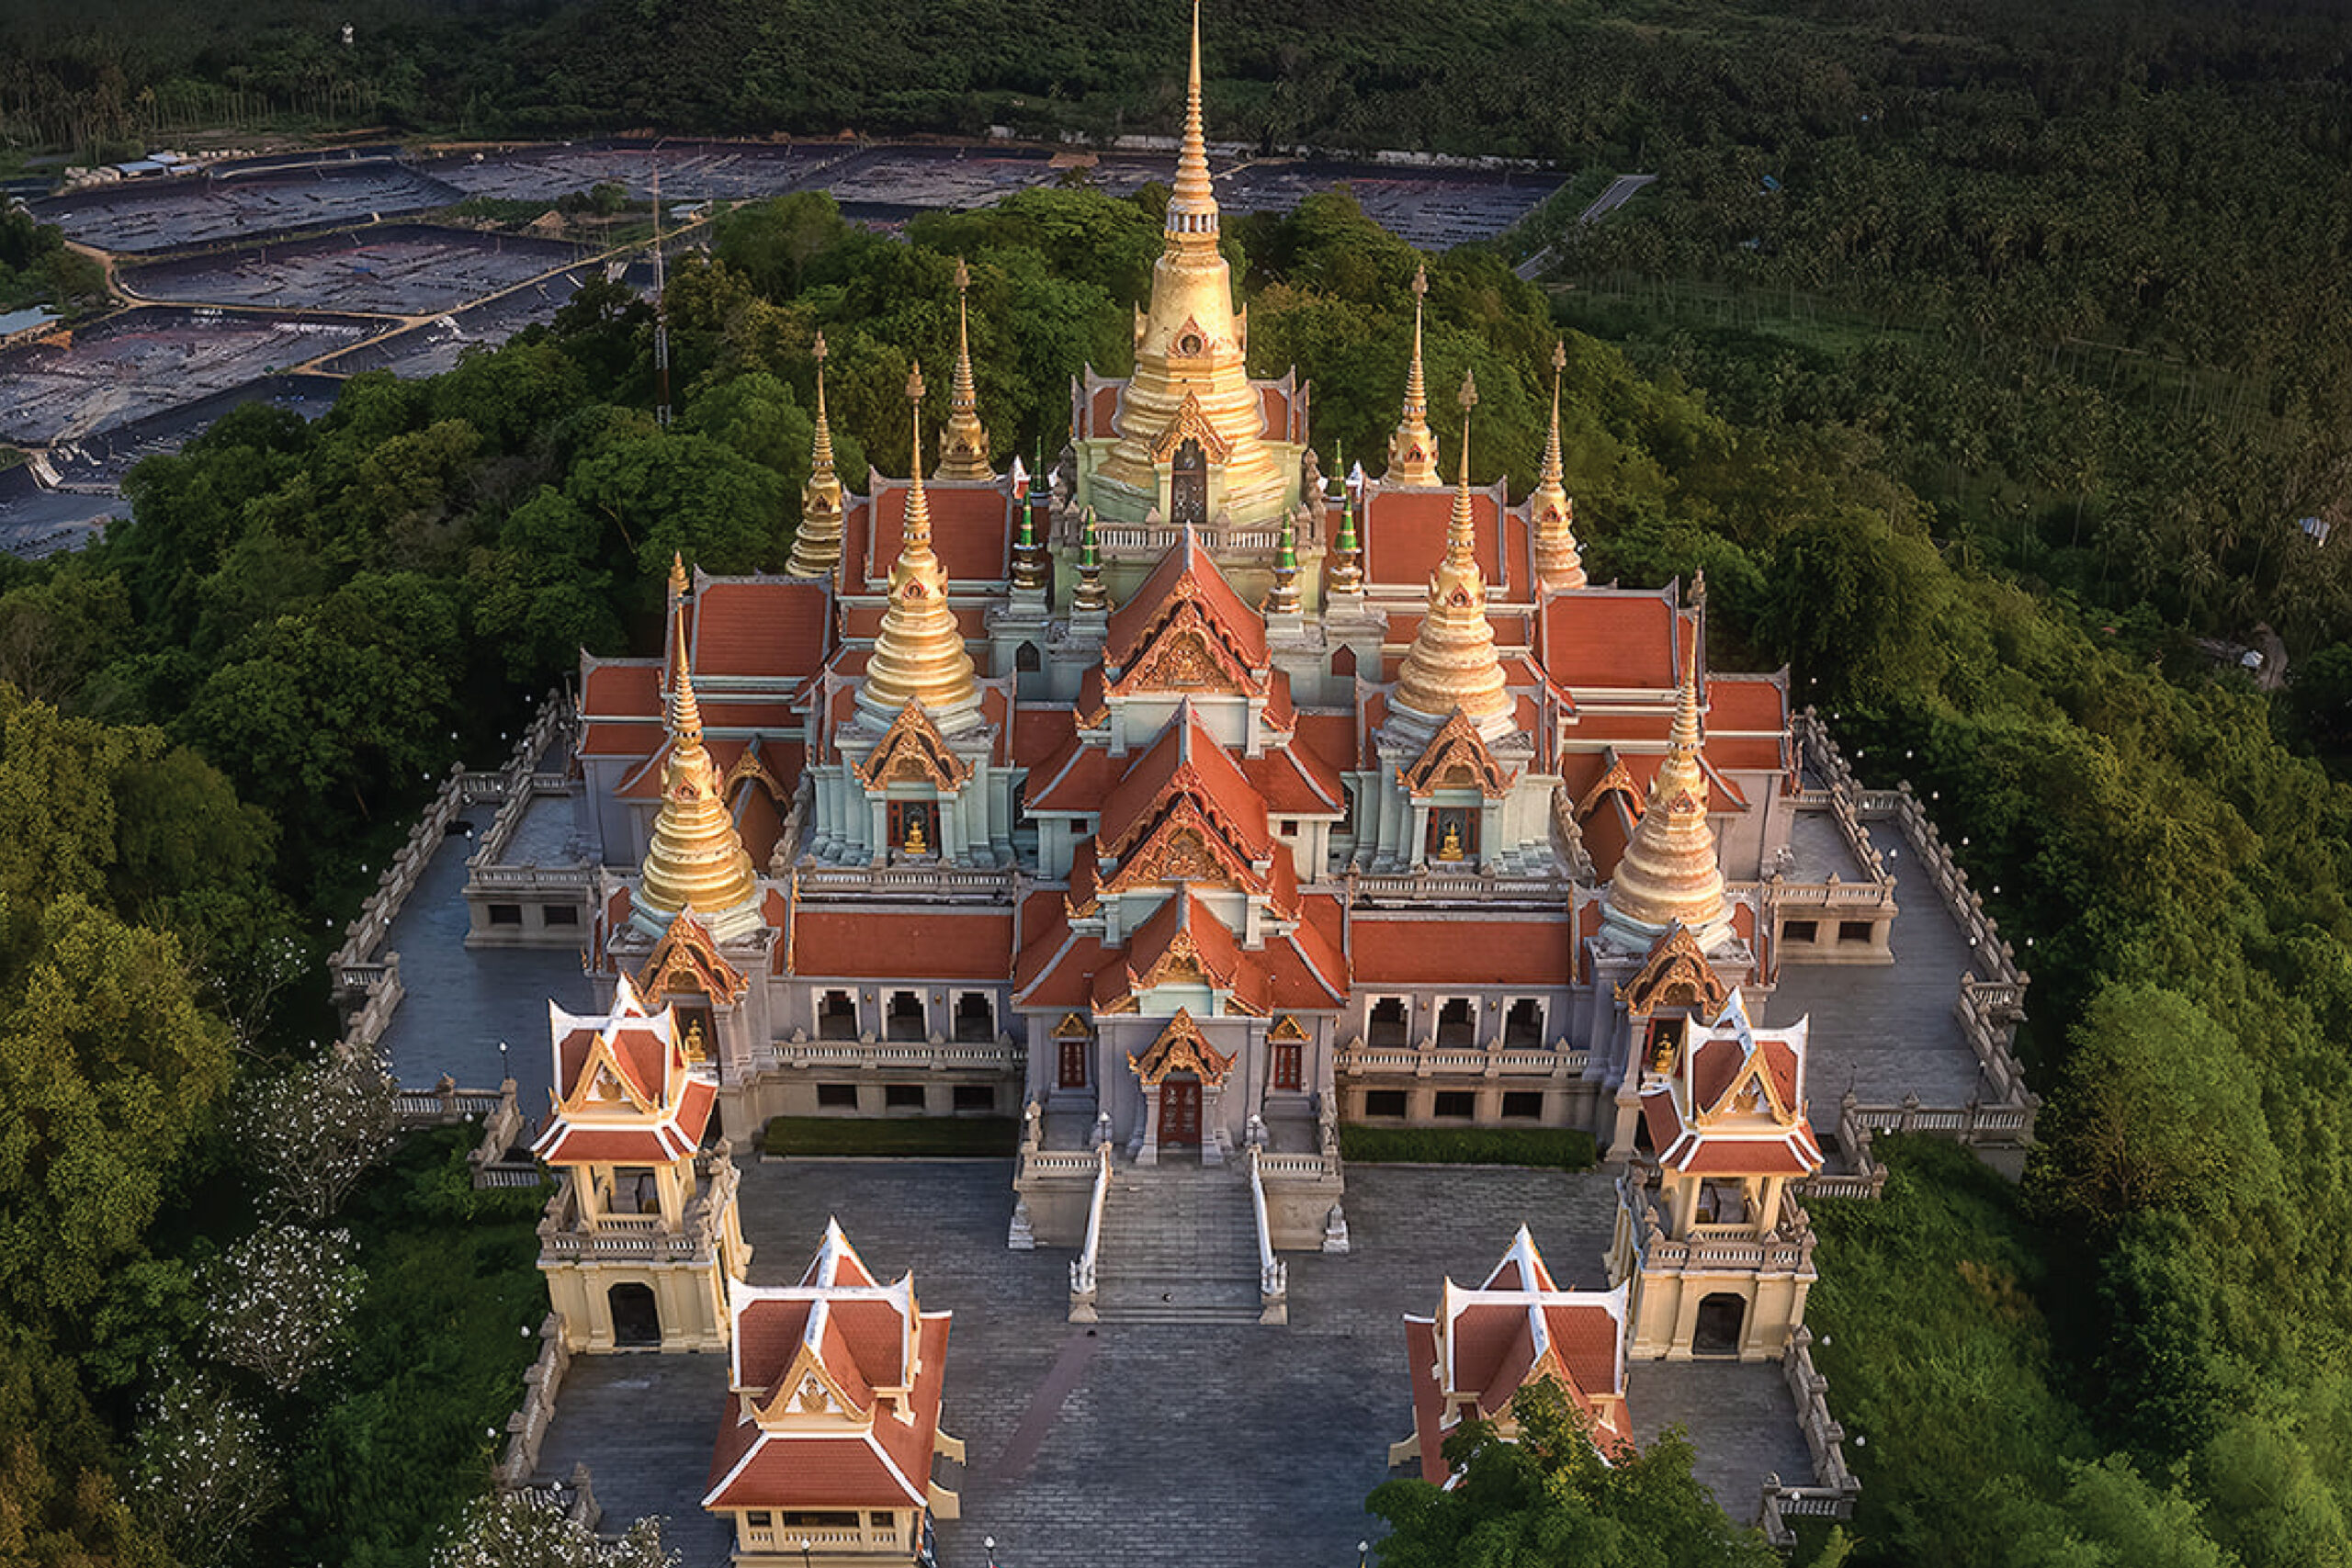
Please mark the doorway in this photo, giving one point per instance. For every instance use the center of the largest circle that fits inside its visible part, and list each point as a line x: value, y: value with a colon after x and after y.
x: 1720, y: 1317
x: 636, y: 1317
x: 1179, y: 1112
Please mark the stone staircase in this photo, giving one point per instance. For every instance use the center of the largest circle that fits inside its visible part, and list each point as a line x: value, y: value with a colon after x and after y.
x: 1180, y: 1244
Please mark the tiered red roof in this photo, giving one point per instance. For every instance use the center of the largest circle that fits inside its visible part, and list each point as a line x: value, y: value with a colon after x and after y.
x: 1734, y: 1105
x: 1518, y: 1327
x: 624, y: 1093
x: 836, y: 1385
x: 1488, y: 950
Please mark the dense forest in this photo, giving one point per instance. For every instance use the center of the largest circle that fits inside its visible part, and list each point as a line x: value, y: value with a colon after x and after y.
x: 1985, y: 357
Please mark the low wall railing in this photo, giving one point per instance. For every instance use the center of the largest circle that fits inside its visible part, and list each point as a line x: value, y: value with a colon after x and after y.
x: 1082, y: 1280
x: 526, y: 1429
x: 1834, y: 1489
x: 1273, y: 1274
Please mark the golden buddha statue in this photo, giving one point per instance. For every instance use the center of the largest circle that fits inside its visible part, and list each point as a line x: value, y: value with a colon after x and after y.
x: 918, y: 842
x: 1450, y: 846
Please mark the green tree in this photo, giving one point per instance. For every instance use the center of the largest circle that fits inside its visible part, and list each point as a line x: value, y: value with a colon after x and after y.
x: 2159, y: 1110
x: 1549, y: 1498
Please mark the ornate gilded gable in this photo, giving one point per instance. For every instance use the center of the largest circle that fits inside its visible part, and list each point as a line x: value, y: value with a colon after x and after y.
x: 1618, y: 780
x: 1287, y: 1029
x: 1676, y: 974
x: 913, y: 751
x: 1184, y: 846
x: 1181, y: 1048
x: 687, y: 959
x: 1184, y: 654
x: 1457, y: 757
x: 1191, y: 423
x: 1073, y: 1026
x: 748, y: 769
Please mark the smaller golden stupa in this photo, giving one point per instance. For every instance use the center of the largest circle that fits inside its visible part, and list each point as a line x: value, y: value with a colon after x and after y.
x: 696, y: 859
x: 1669, y: 873
x: 1550, y: 514
x: 817, y: 548
x: 919, y: 654
x: 1451, y: 663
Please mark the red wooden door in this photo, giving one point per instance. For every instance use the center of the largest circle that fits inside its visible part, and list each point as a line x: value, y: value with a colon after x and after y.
x: 1179, y: 1111
x: 1073, y: 1073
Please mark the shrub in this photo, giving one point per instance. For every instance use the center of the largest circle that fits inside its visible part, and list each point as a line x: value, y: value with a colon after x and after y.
x: 1568, y: 1148
x: 935, y: 1135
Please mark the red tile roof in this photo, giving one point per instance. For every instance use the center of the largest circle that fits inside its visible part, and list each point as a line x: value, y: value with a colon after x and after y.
x: 1404, y: 535
x: 1607, y: 639
x: 971, y: 529
x: 1186, y: 574
x: 1039, y: 731
x: 620, y: 689
x: 771, y: 627
x: 1186, y: 760
x: 845, y: 941
x: 1331, y: 738
x: 1489, y: 950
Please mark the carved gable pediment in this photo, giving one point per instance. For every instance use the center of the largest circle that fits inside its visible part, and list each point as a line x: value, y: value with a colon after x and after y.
x: 1183, y: 846
x: 688, y: 960
x: 913, y: 751
x: 1073, y: 1026
x: 1676, y: 974
x: 1191, y: 424
x: 1184, y: 658
x: 1457, y: 757
x: 1618, y: 780
x: 1288, y: 1029
x: 748, y: 769
x: 1181, y: 1048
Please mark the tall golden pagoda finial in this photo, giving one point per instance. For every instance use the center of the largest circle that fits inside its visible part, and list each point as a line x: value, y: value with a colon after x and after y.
x: 1192, y: 365
x: 1550, y: 515
x: 1452, y: 664
x: 694, y: 858
x: 963, y: 444
x: 1412, y: 449
x: 1669, y: 873
x: 817, y: 548
x: 919, y: 654
x: 1191, y: 205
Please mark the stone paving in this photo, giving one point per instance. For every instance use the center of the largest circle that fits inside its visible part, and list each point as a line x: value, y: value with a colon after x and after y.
x: 1174, y: 1444
x: 1887, y: 1030
x: 459, y: 1003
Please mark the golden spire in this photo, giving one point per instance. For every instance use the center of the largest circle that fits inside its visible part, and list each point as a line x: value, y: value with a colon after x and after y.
x: 1192, y: 362
x: 1669, y: 873
x: 963, y: 444
x: 918, y: 655
x: 680, y: 583
x: 1550, y: 515
x: 1451, y: 663
x: 694, y: 858
x: 817, y: 548
x: 1191, y: 207
x: 1412, y: 450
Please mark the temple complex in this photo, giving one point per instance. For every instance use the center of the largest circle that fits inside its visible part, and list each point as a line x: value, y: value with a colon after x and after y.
x: 1188, y: 807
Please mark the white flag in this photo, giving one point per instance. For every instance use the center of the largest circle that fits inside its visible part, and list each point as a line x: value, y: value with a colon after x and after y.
x: 1356, y: 479
x: 1020, y: 478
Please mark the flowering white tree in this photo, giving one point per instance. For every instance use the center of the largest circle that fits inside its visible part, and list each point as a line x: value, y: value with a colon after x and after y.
x: 278, y: 1301
x: 535, y: 1529
x: 202, y: 1471
x: 316, y: 1129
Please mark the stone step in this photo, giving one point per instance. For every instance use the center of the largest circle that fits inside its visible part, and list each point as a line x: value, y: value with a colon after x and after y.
x: 1220, y: 1317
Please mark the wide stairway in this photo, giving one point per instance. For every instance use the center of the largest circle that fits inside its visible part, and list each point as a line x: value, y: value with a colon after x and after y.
x: 1180, y: 1244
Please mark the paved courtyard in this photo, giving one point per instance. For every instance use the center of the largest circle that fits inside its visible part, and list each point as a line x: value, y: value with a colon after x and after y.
x: 461, y: 1003
x: 1177, y: 1445
x: 1884, y: 1030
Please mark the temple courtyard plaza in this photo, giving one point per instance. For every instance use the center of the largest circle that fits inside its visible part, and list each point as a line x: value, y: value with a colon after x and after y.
x: 1150, y: 1443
